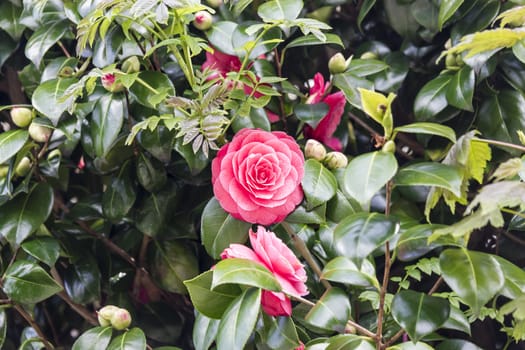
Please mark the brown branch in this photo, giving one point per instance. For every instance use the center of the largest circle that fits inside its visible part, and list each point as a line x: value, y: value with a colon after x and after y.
x: 34, y: 325
x: 382, y: 294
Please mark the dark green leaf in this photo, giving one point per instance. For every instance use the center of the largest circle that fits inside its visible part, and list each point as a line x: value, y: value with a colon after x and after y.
x: 366, y: 6
x: 7, y: 47
x: 365, y: 67
x: 348, y: 83
x: 141, y: 90
x: 419, y: 314
x: 426, y: 13
x: 120, y: 195
x: 219, y: 229
x: 134, y: 339
x: 158, y: 142
x: 279, y: 333
x: 106, y: 122
x: 514, y: 278
x: 45, y: 249
x: 204, y: 331
x: 95, y: 338
x: 243, y: 271
x: 25, y: 213
x: 319, y: 184
x: 26, y: 282
x: 349, y: 342
x: 332, y: 311
x: 239, y: 320
x: 457, y: 344
x: 344, y: 270
x: 413, y: 243
x: 151, y: 174
x: 431, y: 174
x: 432, y: 98
x: 243, y: 42
x: 256, y: 119
x: 339, y: 207
x: 11, y: 142
x: 82, y: 280
x: 311, y: 113
x: 428, y: 128
x: 153, y: 212
x: 460, y: 90
x: 301, y: 215
x: 457, y: 320
x: 43, y: 39
x: 10, y: 19
x: 107, y: 48
x: 447, y: 10
x: 312, y: 40
x: 399, y: 19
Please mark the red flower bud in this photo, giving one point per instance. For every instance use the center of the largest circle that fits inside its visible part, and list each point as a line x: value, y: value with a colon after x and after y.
x: 109, y: 83
x: 203, y: 20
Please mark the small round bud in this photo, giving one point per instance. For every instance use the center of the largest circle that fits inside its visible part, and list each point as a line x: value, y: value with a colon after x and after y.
x: 335, y: 160
x: 315, y: 150
x: 450, y: 61
x: 349, y: 329
x: 131, y: 65
x: 23, y: 167
x: 105, y: 314
x: 39, y: 133
x: 21, y: 116
x: 369, y: 55
x: 203, y: 20
x: 121, y: 319
x: 389, y: 146
x: 448, y: 44
x: 66, y: 72
x: 109, y: 82
x: 337, y: 63
x: 214, y: 3
x: 4, y: 169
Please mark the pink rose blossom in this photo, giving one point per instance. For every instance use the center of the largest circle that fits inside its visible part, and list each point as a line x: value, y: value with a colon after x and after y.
x: 257, y: 176
x: 324, y: 131
x: 272, y: 253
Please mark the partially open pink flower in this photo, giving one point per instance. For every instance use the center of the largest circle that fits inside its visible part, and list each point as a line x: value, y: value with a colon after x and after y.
x: 325, y: 129
x: 257, y: 176
x: 272, y: 253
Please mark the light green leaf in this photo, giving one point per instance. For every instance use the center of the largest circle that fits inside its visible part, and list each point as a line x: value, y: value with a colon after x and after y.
x: 344, y: 270
x: 374, y: 104
x: 319, y: 184
x: 220, y: 36
x: 332, y: 311
x: 204, y: 331
x: 447, y: 10
x: 429, y: 129
x: 3, y: 326
x: 47, y: 98
x: 430, y: 174
x: 246, y: 272
x: 280, y: 10
x: 43, y: 39
x: 45, y: 249
x: 133, y: 339
x: 95, y: 338
x: 312, y: 40
x: 11, y: 142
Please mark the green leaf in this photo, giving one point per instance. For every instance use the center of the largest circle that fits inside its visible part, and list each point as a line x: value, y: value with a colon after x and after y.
x: 349, y: 342
x: 399, y: 18
x: 279, y: 333
x: 256, y: 119
x: 457, y: 344
x: 419, y: 314
x: 47, y: 98
x: 133, y: 339
x: 514, y: 278
x: 204, y: 331
x: 332, y: 311
x: 426, y: 13
x: 276, y: 10
x: 474, y: 276
x: 220, y: 36
x: 219, y: 229
x: 153, y: 212
x: 10, y: 20
x: 366, y: 6
x: 173, y: 263
x: 246, y: 272
x: 120, y: 195
x: 319, y: 184
x: 43, y: 39
x: 27, y: 283
x: 374, y: 104
x: 430, y: 174
x: 344, y: 270
x: 360, y: 234
x: 82, y: 280
x: 95, y: 338
x: 312, y: 40
x: 7, y: 47
x: 339, y: 207
x: 239, y: 320
x: 45, y: 249
x: 151, y: 173
x: 348, y: 83
x: 432, y: 98
x: 429, y: 129
x: 211, y: 303
x: 243, y: 42
x: 413, y: 243
x: 3, y: 326
x: 411, y: 346
x: 519, y: 50
x: 311, y: 113
x: 366, y: 174
x: 460, y: 90
x: 158, y: 142
x: 457, y: 321
x: 366, y: 67
x: 11, y: 142
x: 24, y: 214
x: 142, y: 91
x: 447, y: 10
x: 106, y: 121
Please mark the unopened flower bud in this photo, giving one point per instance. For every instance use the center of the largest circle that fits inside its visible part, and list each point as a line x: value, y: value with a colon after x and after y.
x: 389, y: 146
x: 4, y: 169
x: 337, y: 63
x: 39, y: 133
x: 349, y: 329
x: 214, y: 3
x: 109, y: 82
x: 203, y: 20
x: 131, y: 65
x: 105, y: 314
x: 121, y: 319
x: 335, y: 160
x: 369, y: 55
x: 66, y: 72
x: 314, y: 149
x: 21, y: 116
x: 23, y: 167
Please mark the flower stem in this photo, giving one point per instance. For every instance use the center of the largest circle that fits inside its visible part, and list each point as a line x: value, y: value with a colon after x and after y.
x: 305, y: 253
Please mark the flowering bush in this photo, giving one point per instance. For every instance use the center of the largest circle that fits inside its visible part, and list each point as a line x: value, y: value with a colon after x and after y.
x: 279, y: 174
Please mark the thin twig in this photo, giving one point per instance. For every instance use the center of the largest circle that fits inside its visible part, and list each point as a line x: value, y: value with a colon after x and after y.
x: 500, y: 143
x: 436, y: 285
x: 382, y: 294
x: 34, y: 325
x: 63, y: 48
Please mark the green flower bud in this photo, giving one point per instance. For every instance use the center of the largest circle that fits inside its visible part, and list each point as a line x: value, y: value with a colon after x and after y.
x: 214, y: 3
x: 389, y: 146
x: 121, y: 319
x: 369, y: 55
x: 21, y: 116
x: 23, y: 167
x: 335, y: 160
x: 315, y: 150
x: 109, y: 82
x: 450, y: 61
x: 4, y: 169
x: 131, y: 65
x: 337, y: 63
x: 39, y: 133
x: 66, y: 72
x: 203, y: 20
x: 105, y: 314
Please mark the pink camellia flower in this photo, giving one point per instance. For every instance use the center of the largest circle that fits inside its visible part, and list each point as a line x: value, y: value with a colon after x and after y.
x: 324, y: 131
x: 257, y: 176
x: 272, y: 253
x: 109, y: 82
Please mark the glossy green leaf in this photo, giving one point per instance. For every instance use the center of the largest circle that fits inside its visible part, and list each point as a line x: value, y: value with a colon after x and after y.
x: 397, y: 14
x: 311, y: 113
x: 359, y: 235
x: 457, y: 344
x: 106, y: 121
x: 26, y: 282
x: 364, y: 10
x: 457, y: 320
x: 43, y: 39
x: 301, y: 215
x: 460, y: 90
x: 279, y: 333
x: 447, y: 10
x: 3, y: 326
x: 45, y: 249
x: 419, y: 314
x: 312, y: 40
x: 348, y: 83
x: 344, y: 270
x: 11, y: 142
x: 151, y: 173
x: 411, y: 346
x: 275, y: 10
x: 432, y: 98
x: 7, y: 47
x: 366, y: 67
x: 476, y: 277
x: 204, y: 331
x: 133, y: 339
x: 158, y: 142
x: 428, y: 129
x: 141, y: 90
x: 173, y: 263
x: 220, y: 36
x: 256, y: 119
x: 430, y: 174
x: 47, y: 98
x: 366, y: 174
x: 82, y: 280
x: 332, y: 311
x: 219, y: 229
x: 239, y: 320
x: 519, y: 50
x: 413, y: 243
x: 349, y: 342
x: 153, y: 211
x: 211, y: 303
x: 243, y: 42
x: 120, y: 195
x: 426, y: 13
x: 95, y: 338
x: 339, y: 207
x: 514, y: 278
x: 243, y: 271
x: 10, y: 20
x: 23, y: 215
x: 319, y: 184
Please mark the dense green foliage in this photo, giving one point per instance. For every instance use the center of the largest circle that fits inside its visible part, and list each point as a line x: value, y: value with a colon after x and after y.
x: 111, y: 116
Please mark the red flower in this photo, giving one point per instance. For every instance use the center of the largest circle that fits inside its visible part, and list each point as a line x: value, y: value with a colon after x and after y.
x: 272, y: 253
x: 336, y: 102
x: 257, y: 176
